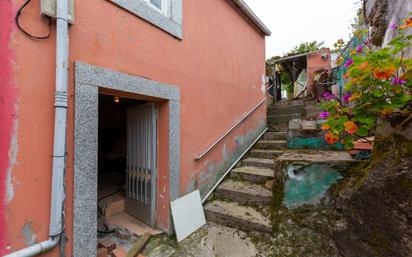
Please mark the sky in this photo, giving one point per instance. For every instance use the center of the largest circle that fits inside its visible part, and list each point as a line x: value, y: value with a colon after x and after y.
x: 296, y: 21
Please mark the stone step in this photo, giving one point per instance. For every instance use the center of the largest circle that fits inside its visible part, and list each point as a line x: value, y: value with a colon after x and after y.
x: 283, y: 117
x: 271, y: 144
x: 292, y: 102
x: 244, y: 192
x: 252, y: 174
x: 258, y: 162
x: 277, y: 123
x: 232, y: 214
x: 275, y: 136
x: 266, y: 154
x: 287, y: 109
x: 273, y: 128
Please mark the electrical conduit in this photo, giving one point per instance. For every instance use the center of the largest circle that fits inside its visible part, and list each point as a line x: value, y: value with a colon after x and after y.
x: 59, y: 148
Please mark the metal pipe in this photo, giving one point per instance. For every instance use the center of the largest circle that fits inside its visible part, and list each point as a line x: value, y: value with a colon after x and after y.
x: 234, y: 126
x: 59, y: 148
x: 37, y: 248
x: 233, y: 165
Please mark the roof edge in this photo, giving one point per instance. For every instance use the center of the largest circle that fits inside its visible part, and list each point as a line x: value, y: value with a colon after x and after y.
x: 298, y: 55
x: 252, y: 16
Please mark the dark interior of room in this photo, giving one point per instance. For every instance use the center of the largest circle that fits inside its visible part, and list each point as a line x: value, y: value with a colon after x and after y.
x: 112, y: 142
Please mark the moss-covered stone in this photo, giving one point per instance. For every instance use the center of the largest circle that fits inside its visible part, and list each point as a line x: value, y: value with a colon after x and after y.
x: 374, y: 203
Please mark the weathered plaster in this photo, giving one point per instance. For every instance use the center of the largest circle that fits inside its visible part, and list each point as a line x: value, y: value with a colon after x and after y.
x: 172, y: 25
x: 28, y: 234
x: 88, y: 80
x: 8, y: 99
x: 12, y: 160
x: 214, y: 170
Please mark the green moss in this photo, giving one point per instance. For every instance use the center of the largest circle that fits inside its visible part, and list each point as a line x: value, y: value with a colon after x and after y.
x: 277, y: 196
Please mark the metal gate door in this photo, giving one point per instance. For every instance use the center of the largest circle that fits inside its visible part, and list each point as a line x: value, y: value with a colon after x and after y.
x: 141, y: 163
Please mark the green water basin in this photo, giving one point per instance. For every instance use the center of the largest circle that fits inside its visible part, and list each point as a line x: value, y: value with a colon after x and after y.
x: 307, y: 183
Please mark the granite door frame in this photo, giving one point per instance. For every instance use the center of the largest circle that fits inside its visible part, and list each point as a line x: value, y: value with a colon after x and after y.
x: 89, y: 79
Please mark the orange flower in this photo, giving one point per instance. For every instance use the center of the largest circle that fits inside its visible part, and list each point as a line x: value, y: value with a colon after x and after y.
x: 350, y: 127
x: 325, y: 126
x: 363, y: 65
x: 331, y: 138
x: 384, y: 74
x: 408, y: 23
x: 354, y: 80
x: 345, y: 75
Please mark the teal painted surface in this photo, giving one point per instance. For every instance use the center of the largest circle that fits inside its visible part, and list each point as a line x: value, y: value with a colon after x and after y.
x: 308, y: 184
x: 312, y: 143
x: 352, y: 44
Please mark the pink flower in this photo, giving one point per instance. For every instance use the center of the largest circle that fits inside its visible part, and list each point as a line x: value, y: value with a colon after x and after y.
x: 348, y: 63
x: 324, y: 115
x: 346, y: 97
x: 359, y: 49
x: 328, y: 96
x: 393, y: 26
x: 398, y: 81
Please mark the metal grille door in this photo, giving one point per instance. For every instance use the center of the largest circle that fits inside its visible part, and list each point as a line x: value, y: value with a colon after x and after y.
x: 141, y: 162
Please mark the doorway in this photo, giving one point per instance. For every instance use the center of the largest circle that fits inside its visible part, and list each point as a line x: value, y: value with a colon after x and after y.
x: 90, y: 82
x: 127, y: 158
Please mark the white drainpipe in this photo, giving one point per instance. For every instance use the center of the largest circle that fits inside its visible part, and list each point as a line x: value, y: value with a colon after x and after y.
x: 59, y: 149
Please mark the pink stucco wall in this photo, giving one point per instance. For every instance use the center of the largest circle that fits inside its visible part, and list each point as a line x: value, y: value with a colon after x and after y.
x: 218, y: 67
x: 315, y: 62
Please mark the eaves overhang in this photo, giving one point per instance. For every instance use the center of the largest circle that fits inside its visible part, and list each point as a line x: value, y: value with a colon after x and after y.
x: 252, y: 16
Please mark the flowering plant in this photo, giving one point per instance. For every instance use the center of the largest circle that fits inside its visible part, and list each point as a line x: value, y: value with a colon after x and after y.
x: 379, y: 84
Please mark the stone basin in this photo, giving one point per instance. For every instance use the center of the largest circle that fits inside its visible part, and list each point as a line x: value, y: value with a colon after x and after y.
x: 304, y: 176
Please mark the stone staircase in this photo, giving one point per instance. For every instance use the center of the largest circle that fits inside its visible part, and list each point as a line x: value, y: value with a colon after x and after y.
x: 242, y: 199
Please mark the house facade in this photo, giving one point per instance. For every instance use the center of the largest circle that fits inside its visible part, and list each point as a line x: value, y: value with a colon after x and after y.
x: 156, y: 92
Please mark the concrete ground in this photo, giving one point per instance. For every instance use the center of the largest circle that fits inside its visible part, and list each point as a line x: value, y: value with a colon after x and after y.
x: 212, y: 240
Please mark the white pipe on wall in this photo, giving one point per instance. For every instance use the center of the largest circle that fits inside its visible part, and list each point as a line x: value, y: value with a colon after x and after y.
x: 59, y: 148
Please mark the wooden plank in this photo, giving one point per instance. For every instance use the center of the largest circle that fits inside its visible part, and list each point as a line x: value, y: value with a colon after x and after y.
x: 139, y: 245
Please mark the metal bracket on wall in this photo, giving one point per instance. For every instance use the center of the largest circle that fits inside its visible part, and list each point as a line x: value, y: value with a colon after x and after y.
x: 48, y: 8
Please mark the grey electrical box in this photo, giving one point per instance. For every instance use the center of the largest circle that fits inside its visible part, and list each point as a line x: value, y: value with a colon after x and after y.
x: 48, y: 8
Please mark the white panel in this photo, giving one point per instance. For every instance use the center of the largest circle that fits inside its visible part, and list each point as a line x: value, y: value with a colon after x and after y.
x: 188, y: 215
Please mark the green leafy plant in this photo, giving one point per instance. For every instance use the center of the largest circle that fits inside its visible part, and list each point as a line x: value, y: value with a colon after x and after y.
x: 379, y: 84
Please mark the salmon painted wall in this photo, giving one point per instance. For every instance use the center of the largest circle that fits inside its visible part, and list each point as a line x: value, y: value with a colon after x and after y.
x: 218, y: 67
x: 8, y: 100
x: 315, y: 62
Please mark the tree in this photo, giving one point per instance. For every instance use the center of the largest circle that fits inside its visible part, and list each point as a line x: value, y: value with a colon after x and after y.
x: 305, y: 47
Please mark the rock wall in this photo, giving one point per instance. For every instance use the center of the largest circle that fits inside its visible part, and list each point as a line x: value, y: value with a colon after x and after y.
x: 375, y: 212
x: 379, y: 14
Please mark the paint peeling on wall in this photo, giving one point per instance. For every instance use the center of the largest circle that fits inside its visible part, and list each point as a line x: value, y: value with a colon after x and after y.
x: 28, y: 234
x: 12, y: 160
